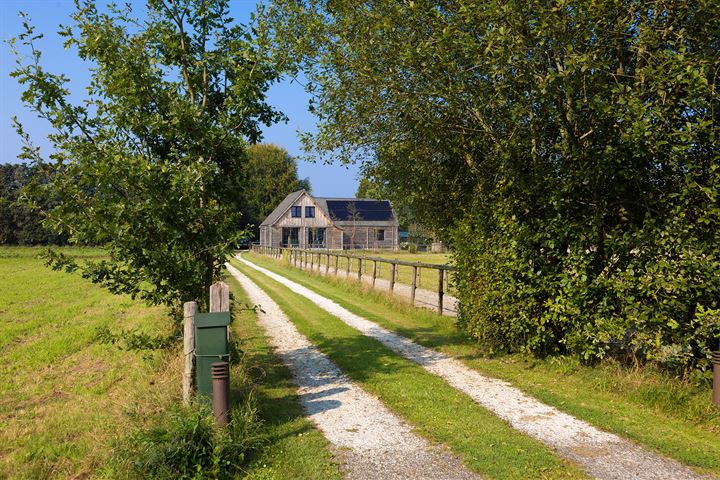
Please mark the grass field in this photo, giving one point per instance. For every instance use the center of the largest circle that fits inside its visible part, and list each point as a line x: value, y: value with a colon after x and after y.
x: 65, y: 397
x: 68, y: 403
x: 668, y: 415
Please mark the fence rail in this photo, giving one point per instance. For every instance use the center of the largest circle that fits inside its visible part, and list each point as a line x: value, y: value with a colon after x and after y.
x: 305, y: 258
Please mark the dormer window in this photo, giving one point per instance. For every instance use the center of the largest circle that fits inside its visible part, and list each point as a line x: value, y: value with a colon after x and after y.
x: 309, y: 212
x: 295, y: 211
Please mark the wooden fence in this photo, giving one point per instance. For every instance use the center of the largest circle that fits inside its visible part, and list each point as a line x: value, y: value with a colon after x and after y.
x: 303, y: 258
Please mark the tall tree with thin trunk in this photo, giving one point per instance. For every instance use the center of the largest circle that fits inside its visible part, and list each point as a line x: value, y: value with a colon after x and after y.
x: 149, y: 166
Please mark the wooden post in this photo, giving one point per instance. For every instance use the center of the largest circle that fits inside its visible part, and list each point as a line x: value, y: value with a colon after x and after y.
x: 312, y: 261
x: 327, y: 265
x: 219, y: 297
x: 189, y: 311
x: 440, y: 291
x: 374, y: 272
x: 337, y: 260
x: 359, y: 269
x: 392, y: 276
x: 347, y: 268
x: 413, y: 285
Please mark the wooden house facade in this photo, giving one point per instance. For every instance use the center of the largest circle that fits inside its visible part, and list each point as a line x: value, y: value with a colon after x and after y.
x: 304, y: 221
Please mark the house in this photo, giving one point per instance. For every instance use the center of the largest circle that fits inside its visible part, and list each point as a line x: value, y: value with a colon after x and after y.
x: 304, y: 221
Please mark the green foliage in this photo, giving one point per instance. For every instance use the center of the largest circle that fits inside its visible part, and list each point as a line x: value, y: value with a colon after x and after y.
x: 187, y: 444
x: 568, y: 151
x: 150, y: 166
x: 19, y: 224
x: 271, y: 175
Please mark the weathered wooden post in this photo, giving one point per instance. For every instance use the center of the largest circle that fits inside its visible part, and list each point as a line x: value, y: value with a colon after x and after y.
x: 440, y: 291
x: 347, y: 267
x: 359, y: 269
x: 393, y: 267
x: 374, y: 272
x: 219, y: 297
x: 189, y: 311
x: 337, y: 260
x: 312, y: 261
x: 327, y: 265
x: 413, y: 285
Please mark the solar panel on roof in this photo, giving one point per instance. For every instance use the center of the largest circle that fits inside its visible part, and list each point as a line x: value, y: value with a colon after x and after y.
x: 367, y: 210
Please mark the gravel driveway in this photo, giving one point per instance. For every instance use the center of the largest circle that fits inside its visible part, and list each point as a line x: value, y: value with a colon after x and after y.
x: 368, y: 440
x: 603, y: 455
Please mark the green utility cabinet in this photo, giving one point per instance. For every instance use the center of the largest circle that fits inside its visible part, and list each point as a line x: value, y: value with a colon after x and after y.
x: 211, y: 345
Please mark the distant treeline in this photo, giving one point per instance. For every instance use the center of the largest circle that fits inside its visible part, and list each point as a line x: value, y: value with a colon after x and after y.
x: 20, y: 224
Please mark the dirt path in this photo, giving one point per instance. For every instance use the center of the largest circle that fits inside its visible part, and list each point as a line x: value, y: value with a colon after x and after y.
x: 369, y: 441
x: 423, y: 298
x: 601, y: 454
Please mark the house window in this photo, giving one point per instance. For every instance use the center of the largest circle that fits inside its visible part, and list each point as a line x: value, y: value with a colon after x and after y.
x: 309, y: 212
x: 380, y: 235
x: 295, y: 212
x: 316, y: 237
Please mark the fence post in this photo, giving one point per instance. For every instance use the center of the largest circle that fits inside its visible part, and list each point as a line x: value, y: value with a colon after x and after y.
x: 392, y: 276
x: 312, y: 261
x: 337, y: 260
x: 359, y: 269
x: 347, y: 267
x: 327, y: 265
x: 374, y: 272
x: 189, y: 311
x: 440, y: 291
x: 413, y: 285
x: 219, y: 297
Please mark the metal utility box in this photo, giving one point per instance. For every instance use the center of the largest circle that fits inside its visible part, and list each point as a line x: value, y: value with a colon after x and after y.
x: 211, y: 345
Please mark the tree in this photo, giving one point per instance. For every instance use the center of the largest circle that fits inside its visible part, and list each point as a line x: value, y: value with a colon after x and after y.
x: 150, y: 165
x: 19, y: 224
x: 271, y: 175
x: 569, y: 151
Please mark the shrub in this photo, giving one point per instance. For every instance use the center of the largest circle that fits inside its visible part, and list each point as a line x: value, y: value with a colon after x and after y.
x: 187, y: 444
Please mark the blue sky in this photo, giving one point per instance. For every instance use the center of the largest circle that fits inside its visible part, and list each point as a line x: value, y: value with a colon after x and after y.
x: 46, y: 15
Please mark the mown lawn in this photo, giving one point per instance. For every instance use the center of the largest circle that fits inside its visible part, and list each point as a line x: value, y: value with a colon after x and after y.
x: 668, y: 415
x: 66, y: 398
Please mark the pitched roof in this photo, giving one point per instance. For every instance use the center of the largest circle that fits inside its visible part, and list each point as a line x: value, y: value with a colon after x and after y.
x: 359, y: 211
x: 341, y: 211
x: 282, y: 207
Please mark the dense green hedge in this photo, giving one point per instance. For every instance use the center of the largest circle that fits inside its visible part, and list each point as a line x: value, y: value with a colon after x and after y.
x: 646, y: 292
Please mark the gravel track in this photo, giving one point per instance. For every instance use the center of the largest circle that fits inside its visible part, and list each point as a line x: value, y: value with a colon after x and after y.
x: 603, y: 455
x: 368, y: 440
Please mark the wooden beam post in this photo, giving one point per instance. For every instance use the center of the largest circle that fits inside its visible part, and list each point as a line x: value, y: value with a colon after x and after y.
x: 188, y: 382
x: 219, y: 297
x: 392, y: 276
x: 337, y: 260
x: 374, y: 272
x: 327, y: 265
x: 359, y: 269
x: 440, y: 290
x: 347, y: 268
x: 413, y: 285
